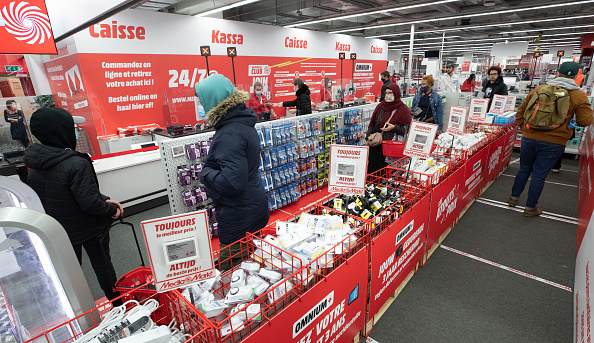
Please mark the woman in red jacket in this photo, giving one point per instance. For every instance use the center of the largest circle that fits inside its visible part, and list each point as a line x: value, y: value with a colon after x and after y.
x: 468, y: 85
x: 260, y: 104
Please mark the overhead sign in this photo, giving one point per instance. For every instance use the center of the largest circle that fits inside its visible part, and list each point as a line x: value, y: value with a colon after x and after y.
x: 348, y: 169
x: 478, y: 110
x: 457, y: 121
x: 25, y: 28
x: 420, y: 139
x: 180, y: 250
x: 465, y: 66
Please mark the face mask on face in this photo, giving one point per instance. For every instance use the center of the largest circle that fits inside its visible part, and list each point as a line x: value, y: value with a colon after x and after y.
x: 389, y: 98
x: 258, y: 92
x: 295, y: 88
x: 424, y: 89
x: 329, y: 84
x: 201, y: 112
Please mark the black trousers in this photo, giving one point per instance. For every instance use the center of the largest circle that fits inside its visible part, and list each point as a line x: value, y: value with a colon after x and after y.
x: 377, y: 160
x: 101, y: 262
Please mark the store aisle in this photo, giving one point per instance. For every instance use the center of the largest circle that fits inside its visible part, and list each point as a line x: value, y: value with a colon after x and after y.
x: 456, y: 298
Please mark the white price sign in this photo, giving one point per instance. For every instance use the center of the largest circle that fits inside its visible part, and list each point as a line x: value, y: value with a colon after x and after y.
x: 478, y: 110
x: 420, y: 139
x: 498, y: 105
x: 348, y: 169
x: 510, y: 103
x: 457, y: 121
x: 180, y: 250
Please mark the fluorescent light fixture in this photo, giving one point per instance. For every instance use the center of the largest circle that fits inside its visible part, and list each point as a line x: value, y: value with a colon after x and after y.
x: 384, y: 10
x: 512, y: 39
x: 224, y: 8
x: 448, y: 46
x: 464, y: 16
x: 480, y: 26
x: 418, y: 39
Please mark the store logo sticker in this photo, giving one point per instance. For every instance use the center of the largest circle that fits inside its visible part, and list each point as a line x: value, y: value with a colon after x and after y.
x: 363, y: 67
x: 26, y: 23
x: 313, y: 314
x: 74, y: 81
x: 258, y: 70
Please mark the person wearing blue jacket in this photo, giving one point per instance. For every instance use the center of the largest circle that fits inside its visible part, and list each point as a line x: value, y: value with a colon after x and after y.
x: 230, y: 172
x: 429, y: 102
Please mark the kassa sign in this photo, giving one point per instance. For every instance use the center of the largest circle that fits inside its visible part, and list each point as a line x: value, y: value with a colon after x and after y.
x: 25, y: 28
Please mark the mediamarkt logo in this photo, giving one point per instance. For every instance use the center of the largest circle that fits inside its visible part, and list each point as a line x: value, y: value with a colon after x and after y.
x: 26, y: 22
x: 259, y: 70
x: 312, y: 314
x: 188, y: 279
x: 226, y: 38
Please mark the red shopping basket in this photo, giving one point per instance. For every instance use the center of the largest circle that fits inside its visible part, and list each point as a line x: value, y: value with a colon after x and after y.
x: 393, y: 148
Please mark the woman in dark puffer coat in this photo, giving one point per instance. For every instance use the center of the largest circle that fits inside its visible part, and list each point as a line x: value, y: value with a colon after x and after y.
x: 230, y: 172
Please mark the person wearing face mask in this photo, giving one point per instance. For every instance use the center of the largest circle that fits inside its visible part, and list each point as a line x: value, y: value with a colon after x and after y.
x: 66, y: 183
x: 327, y: 91
x: 494, y: 85
x: 390, y: 117
x: 260, y: 103
x: 16, y: 118
x: 230, y: 173
x: 449, y: 81
x: 429, y: 102
x: 302, y: 103
x: 385, y: 76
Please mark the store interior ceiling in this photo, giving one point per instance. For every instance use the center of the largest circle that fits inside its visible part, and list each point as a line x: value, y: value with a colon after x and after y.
x: 468, y: 25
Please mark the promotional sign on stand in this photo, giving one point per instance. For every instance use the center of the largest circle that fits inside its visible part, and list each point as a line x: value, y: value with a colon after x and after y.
x: 474, y: 175
x: 179, y: 249
x: 331, y: 311
x: 478, y: 110
x: 420, y: 139
x: 395, y: 252
x: 457, y: 121
x: 445, y: 205
x: 510, y: 103
x: 348, y: 169
x: 499, y: 104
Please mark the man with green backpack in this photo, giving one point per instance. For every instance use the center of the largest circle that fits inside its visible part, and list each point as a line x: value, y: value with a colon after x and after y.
x: 544, y: 117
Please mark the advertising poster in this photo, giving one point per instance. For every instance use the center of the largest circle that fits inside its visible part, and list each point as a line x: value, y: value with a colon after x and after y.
x: 457, y: 121
x: 395, y: 252
x: 510, y: 103
x: 478, y: 110
x: 25, y: 28
x: 474, y: 175
x: 331, y: 311
x: 138, y: 67
x: 348, y: 169
x: 445, y: 205
x: 420, y: 139
x: 179, y: 249
x: 495, y: 156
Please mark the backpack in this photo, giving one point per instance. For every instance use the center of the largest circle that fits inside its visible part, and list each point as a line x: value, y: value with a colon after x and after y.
x: 547, y: 109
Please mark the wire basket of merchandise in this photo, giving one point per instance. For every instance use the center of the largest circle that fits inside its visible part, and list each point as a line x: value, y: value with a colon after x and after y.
x: 465, y: 144
x: 419, y: 172
x: 167, y: 316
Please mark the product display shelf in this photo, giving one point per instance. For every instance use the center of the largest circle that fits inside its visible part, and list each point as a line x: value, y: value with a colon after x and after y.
x: 136, y: 290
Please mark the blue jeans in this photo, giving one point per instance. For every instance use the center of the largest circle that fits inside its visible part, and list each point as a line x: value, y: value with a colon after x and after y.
x: 536, y: 158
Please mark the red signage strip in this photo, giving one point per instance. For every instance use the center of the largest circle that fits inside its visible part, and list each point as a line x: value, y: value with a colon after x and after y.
x: 122, y: 153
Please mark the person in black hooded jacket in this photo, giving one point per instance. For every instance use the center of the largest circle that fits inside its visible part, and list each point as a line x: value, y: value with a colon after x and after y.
x: 230, y: 173
x: 494, y: 85
x: 302, y: 103
x: 68, y: 188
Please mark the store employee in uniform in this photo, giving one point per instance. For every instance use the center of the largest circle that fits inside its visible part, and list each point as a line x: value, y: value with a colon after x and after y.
x: 260, y: 103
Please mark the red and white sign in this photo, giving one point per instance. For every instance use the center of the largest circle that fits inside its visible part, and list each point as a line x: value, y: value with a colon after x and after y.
x: 499, y: 103
x: 457, y: 121
x: 465, y: 66
x: 445, y: 205
x: 474, y: 175
x: 348, y: 169
x: 478, y: 110
x: 420, y: 139
x: 395, y: 253
x: 25, y: 28
x: 331, y: 311
x: 180, y: 250
x: 508, y: 147
x: 510, y: 103
x: 495, y: 155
